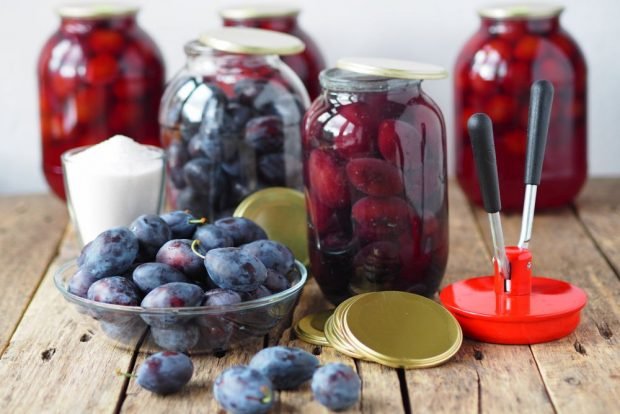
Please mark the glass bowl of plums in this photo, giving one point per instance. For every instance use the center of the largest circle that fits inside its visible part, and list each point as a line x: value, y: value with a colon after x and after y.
x: 175, y: 282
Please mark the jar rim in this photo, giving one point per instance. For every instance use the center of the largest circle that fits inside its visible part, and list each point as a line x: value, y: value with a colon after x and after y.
x: 342, y: 80
x: 521, y: 11
x: 96, y: 10
x: 259, y: 11
x: 196, y: 48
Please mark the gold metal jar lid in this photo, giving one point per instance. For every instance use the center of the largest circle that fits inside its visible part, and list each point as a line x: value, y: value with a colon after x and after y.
x: 392, y: 68
x: 282, y: 213
x: 521, y: 11
x: 259, y: 11
x: 252, y: 41
x: 96, y: 10
x: 401, y: 329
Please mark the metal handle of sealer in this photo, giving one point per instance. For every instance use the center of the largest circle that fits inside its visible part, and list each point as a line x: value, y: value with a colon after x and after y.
x: 481, y: 134
x: 541, y: 98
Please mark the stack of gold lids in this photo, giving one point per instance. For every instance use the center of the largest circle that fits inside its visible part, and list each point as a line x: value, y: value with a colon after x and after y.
x: 396, y: 329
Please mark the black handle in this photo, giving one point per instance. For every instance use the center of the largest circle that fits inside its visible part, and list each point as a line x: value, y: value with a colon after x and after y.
x: 481, y: 134
x: 541, y: 98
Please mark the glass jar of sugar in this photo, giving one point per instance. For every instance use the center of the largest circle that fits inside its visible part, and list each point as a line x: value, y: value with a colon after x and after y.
x: 112, y: 183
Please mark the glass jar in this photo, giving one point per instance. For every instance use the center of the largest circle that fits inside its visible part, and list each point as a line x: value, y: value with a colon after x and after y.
x: 374, y: 151
x: 515, y: 46
x: 280, y: 18
x: 99, y: 75
x: 231, y: 120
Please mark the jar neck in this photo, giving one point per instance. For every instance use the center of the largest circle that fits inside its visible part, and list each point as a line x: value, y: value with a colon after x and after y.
x: 338, y: 81
x: 521, y: 25
x: 83, y: 25
x: 284, y: 24
x: 202, y: 58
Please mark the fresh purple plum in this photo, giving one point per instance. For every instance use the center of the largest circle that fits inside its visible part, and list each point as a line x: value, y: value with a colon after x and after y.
x: 152, y: 232
x: 178, y: 254
x: 216, y: 332
x: 212, y: 237
x: 179, y: 338
x: 173, y: 295
x: 272, y: 254
x: 242, y: 230
x: 233, y: 268
x: 115, y: 290
x: 80, y: 282
x: 243, y: 390
x: 148, y: 276
x: 110, y: 253
x: 336, y: 386
x: 286, y: 367
x: 182, y: 224
x: 124, y: 330
x: 276, y: 281
x: 165, y: 372
x: 258, y: 293
x: 170, y: 295
x: 221, y: 297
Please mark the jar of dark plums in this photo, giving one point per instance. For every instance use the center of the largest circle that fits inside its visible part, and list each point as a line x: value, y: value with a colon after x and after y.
x: 282, y: 18
x: 99, y: 75
x: 515, y: 46
x: 374, y: 149
x: 231, y: 120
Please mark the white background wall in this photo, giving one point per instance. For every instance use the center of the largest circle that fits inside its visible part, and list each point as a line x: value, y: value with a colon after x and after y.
x: 427, y: 31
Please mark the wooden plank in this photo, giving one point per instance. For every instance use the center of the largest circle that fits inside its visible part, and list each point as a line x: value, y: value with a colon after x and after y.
x: 30, y: 231
x: 54, y: 364
x: 598, y: 207
x: 481, y: 377
x: 582, y: 371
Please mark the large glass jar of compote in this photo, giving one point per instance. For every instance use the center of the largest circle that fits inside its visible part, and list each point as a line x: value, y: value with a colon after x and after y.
x: 282, y: 18
x: 374, y: 148
x: 231, y: 120
x: 515, y: 46
x: 99, y: 75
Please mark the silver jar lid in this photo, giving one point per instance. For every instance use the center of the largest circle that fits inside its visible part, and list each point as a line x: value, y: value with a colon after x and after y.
x: 392, y: 68
x: 521, y: 11
x: 252, y: 41
x: 259, y: 11
x: 96, y: 10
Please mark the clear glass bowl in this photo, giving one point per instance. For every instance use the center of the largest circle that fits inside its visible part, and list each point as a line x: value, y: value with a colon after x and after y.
x: 194, y: 329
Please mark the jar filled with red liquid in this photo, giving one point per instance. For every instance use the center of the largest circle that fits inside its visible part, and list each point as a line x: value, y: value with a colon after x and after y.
x: 374, y: 152
x: 281, y: 18
x: 515, y: 46
x: 231, y: 120
x: 99, y: 75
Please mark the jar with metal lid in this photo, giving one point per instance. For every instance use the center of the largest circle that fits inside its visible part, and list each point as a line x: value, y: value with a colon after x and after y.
x: 515, y: 46
x: 231, y: 120
x: 374, y: 150
x: 282, y: 18
x: 99, y: 75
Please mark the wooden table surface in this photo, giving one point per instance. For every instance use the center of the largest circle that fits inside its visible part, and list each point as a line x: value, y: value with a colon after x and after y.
x: 50, y: 363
